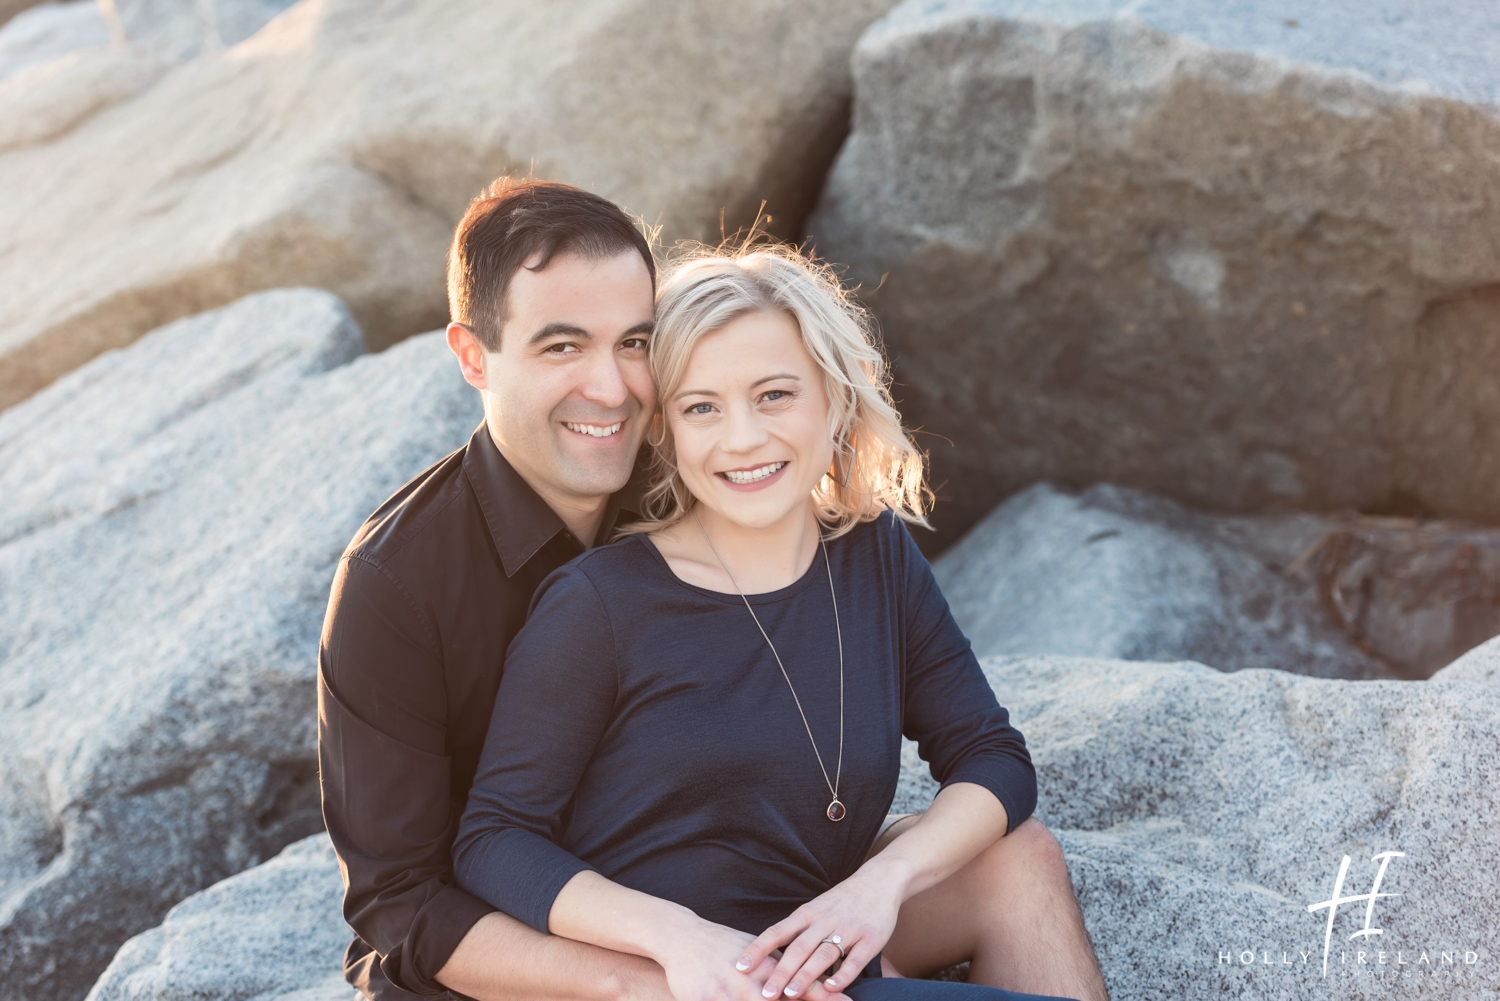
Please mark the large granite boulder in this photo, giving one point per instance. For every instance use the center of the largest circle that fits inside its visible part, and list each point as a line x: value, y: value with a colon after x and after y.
x: 1120, y: 573
x: 183, y: 29
x: 173, y: 515
x: 1241, y: 254
x: 10, y: 8
x: 338, y: 146
x: 58, y: 68
x: 1202, y: 813
x: 272, y: 933
x: 47, y: 32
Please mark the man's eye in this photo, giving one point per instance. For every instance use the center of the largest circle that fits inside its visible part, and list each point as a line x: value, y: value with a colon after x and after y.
x: 561, y: 349
x: 635, y: 343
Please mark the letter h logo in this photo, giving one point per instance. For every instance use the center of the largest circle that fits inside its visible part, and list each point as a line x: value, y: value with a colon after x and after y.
x: 1332, y: 904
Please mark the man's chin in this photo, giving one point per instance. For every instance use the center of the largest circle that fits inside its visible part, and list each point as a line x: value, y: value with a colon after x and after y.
x: 599, y: 479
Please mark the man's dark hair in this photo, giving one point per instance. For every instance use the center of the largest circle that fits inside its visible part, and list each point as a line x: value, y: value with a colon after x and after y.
x: 514, y: 221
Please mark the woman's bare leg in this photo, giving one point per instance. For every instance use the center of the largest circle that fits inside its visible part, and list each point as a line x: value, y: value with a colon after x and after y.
x: 1010, y: 914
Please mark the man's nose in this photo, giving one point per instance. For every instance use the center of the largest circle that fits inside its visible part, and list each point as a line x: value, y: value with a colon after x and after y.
x: 603, y: 382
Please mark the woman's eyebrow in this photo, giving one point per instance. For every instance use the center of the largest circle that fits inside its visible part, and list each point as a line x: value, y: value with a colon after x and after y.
x: 757, y: 382
x: 773, y: 378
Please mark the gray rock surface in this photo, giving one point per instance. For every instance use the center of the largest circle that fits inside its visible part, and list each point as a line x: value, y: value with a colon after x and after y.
x: 173, y: 516
x: 183, y: 29
x: 10, y: 8
x: 46, y: 100
x: 272, y: 933
x: 1201, y: 813
x: 338, y: 146
x: 49, y: 31
x: 1242, y: 254
x: 1120, y: 573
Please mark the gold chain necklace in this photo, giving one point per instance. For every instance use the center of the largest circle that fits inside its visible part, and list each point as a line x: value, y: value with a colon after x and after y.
x: 836, y: 810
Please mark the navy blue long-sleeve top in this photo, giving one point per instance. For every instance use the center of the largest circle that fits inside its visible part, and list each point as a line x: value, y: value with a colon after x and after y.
x: 643, y: 730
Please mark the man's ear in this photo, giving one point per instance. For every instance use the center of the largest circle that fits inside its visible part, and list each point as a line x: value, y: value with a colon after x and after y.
x: 470, y: 354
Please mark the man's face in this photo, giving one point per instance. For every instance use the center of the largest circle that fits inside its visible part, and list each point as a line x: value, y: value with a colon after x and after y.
x: 569, y: 394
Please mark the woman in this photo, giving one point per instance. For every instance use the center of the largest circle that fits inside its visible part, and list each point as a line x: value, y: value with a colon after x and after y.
x: 702, y: 721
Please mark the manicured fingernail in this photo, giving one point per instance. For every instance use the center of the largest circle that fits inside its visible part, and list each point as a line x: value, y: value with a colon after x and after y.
x: 792, y: 990
x: 830, y: 983
x: 768, y: 991
x: 743, y: 964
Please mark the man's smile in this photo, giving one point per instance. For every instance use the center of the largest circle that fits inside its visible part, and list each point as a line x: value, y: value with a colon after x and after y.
x: 594, y: 430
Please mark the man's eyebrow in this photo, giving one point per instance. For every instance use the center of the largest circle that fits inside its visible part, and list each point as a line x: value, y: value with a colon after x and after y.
x: 560, y: 330
x: 644, y: 327
x: 757, y: 382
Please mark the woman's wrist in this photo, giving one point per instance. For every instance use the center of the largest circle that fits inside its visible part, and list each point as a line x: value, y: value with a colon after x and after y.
x: 891, y: 869
x: 667, y: 930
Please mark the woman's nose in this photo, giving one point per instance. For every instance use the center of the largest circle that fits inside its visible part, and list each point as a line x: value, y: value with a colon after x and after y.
x: 743, y: 431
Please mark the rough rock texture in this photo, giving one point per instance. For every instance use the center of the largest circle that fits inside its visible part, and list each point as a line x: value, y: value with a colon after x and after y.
x: 1242, y: 254
x: 182, y: 29
x: 338, y: 146
x: 48, y: 99
x: 273, y: 933
x: 46, y: 32
x: 1202, y: 812
x: 173, y: 514
x: 10, y: 8
x: 1119, y: 573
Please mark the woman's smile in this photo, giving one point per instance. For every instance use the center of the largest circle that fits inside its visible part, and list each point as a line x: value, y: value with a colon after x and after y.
x: 753, y: 477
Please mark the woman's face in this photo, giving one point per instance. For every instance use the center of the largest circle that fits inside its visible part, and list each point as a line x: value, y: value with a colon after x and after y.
x: 750, y: 421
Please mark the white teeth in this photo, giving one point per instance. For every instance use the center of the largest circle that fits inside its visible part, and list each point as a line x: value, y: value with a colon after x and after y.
x: 751, y: 475
x: 593, y: 430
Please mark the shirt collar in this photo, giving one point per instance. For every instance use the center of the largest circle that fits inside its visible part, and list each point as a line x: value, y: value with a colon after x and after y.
x: 520, y: 522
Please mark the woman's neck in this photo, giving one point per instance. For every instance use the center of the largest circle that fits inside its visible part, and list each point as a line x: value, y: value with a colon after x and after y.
x: 757, y: 559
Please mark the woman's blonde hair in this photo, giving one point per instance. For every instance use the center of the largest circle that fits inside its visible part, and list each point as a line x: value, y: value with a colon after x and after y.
x: 876, y: 467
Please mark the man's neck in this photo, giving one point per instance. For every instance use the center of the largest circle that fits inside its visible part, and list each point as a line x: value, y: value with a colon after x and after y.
x: 583, y: 524
x: 584, y: 516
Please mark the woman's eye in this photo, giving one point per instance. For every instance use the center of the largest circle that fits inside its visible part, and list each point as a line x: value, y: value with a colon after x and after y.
x: 700, y: 409
x: 773, y: 395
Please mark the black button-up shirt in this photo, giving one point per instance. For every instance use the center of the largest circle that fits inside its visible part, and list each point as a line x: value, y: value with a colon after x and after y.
x: 426, y: 600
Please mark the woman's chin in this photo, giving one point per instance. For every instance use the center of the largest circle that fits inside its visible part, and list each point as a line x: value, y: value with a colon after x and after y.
x: 756, y: 512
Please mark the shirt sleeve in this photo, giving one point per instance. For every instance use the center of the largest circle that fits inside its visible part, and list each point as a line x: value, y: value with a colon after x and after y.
x: 559, y: 692
x: 386, y: 781
x: 948, y: 707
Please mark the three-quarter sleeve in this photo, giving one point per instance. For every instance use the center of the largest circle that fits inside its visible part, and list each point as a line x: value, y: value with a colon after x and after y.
x: 948, y: 707
x: 385, y: 778
x: 558, y: 691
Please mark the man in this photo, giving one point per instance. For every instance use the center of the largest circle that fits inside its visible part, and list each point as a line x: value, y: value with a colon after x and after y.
x: 551, y: 291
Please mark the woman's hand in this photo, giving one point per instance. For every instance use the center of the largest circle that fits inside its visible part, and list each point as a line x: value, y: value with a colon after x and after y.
x: 861, y: 911
x: 699, y: 966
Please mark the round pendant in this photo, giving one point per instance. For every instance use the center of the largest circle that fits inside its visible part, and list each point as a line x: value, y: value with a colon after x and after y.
x: 836, y: 810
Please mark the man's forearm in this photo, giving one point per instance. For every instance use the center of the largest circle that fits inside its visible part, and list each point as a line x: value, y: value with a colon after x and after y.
x: 502, y: 959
